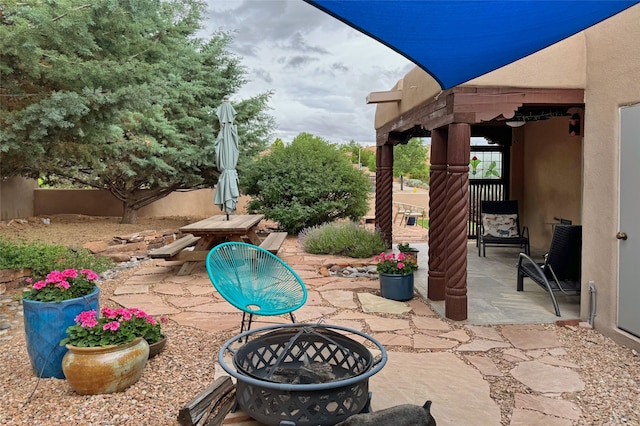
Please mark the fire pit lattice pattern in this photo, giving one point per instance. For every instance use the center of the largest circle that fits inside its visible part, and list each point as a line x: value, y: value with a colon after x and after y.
x: 302, y: 374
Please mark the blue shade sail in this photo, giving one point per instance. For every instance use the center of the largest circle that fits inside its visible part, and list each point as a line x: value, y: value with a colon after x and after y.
x: 456, y: 41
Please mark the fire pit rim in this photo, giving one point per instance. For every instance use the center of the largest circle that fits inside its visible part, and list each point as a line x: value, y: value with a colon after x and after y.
x: 375, y: 366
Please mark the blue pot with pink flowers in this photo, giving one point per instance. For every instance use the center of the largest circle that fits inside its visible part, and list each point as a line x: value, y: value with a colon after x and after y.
x: 45, y: 324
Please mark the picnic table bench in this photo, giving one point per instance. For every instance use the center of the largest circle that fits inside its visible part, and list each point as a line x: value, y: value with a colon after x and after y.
x: 172, y: 249
x: 207, y: 233
x: 273, y: 242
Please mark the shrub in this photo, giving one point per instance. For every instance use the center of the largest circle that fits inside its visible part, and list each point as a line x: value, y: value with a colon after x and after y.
x: 43, y: 258
x: 306, y: 184
x: 341, y: 239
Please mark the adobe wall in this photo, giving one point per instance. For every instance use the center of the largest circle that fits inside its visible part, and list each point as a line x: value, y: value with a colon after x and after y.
x: 613, y: 67
x: 93, y: 202
x: 16, y: 198
x: 551, y: 177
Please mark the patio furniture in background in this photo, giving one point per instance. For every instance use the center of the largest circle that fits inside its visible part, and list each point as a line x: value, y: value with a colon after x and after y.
x: 255, y: 281
x: 500, y: 226
x: 561, y: 269
x: 401, y: 208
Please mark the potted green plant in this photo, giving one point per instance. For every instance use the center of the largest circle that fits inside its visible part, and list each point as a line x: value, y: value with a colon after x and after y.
x: 49, y: 307
x: 108, y: 353
x: 396, y: 276
x: 410, y: 252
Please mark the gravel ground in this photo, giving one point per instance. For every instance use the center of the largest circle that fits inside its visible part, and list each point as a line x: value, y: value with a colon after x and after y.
x: 170, y: 380
x: 611, y: 372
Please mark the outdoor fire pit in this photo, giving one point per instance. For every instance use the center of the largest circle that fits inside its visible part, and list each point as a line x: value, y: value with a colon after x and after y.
x: 302, y: 374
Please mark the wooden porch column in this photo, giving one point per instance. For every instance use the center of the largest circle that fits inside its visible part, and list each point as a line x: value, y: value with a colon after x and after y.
x: 437, y: 214
x: 458, y: 150
x: 384, y: 192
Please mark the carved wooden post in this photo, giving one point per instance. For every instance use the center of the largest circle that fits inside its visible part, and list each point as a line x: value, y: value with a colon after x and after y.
x: 437, y: 214
x: 458, y: 149
x: 384, y: 192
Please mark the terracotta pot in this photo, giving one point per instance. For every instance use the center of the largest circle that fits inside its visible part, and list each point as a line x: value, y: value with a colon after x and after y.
x: 396, y: 287
x: 45, y: 324
x: 114, y: 368
x: 157, y: 347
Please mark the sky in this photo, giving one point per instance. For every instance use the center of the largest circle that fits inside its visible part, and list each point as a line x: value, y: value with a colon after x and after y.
x: 319, y: 69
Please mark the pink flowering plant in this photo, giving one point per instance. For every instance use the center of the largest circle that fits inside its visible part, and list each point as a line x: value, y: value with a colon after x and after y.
x: 113, y: 327
x: 62, y: 285
x: 396, y: 264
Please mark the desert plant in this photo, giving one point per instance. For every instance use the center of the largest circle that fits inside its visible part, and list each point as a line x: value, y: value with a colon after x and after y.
x: 341, y: 239
x: 42, y: 258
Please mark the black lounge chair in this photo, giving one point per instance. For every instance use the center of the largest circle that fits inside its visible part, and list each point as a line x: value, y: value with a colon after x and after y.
x: 560, y: 271
x: 511, y: 235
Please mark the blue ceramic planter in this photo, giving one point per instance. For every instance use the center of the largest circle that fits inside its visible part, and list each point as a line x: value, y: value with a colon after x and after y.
x: 45, y: 324
x: 396, y: 287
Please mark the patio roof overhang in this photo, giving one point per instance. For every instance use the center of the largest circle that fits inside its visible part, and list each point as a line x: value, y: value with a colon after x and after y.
x: 485, y: 108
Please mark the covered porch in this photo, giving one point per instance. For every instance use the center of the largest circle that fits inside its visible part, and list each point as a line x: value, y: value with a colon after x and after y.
x: 491, y: 290
x: 549, y: 186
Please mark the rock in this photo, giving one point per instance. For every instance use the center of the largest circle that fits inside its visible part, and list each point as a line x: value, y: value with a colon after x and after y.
x: 96, y: 246
x: 128, y: 247
x: 117, y: 257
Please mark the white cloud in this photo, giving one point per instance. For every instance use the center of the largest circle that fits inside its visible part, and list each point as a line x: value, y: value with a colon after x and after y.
x: 319, y: 69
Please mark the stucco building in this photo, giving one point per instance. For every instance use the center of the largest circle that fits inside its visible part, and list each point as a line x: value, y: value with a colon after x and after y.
x: 586, y: 174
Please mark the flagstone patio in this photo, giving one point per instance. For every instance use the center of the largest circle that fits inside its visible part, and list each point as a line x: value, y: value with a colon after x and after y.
x: 430, y: 357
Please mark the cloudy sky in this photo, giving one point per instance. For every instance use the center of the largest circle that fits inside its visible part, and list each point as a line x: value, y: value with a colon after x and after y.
x: 319, y: 69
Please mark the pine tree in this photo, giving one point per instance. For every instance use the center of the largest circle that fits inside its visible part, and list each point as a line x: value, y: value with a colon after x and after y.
x: 118, y: 95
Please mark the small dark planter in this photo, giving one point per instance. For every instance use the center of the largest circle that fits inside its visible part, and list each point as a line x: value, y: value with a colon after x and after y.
x: 157, y: 347
x: 396, y: 287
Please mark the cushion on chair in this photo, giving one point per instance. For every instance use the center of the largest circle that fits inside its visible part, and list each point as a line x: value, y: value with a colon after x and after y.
x: 500, y: 225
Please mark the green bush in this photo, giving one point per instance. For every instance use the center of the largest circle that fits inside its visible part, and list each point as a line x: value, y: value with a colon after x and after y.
x: 306, y: 184
x: 42, y: 258
x: 341, y: 239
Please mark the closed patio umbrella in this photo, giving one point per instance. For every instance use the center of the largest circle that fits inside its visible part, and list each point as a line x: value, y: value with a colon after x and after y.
x: 227, y: 150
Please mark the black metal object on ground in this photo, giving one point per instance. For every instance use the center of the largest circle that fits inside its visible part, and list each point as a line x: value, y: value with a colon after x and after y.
x: 302, y: 374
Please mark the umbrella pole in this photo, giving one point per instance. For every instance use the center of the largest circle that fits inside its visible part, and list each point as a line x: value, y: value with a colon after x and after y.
x: 227, y: 216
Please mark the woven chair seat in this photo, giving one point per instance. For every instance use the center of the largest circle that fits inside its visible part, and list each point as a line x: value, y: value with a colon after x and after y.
x: 255, y: 281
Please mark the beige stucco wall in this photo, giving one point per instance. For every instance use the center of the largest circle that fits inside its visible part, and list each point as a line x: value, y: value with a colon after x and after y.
x: 551, y: 174
x: 91, y: 202
x: 613, y: 68
x: 562, y: 65
x: 16, y: 197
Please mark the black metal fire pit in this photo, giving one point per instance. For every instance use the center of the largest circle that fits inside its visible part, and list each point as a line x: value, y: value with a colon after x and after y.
x: 302, y: 374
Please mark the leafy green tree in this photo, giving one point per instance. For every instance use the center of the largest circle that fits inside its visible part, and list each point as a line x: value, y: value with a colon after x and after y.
x: 278, y: 143
x: 358, y: 153
x: 409, y: 158
x: 368, y: 159
x: 307, y: 183
x: 118, y: 95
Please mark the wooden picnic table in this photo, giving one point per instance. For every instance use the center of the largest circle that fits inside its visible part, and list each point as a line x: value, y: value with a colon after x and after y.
x: 215, y: 230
